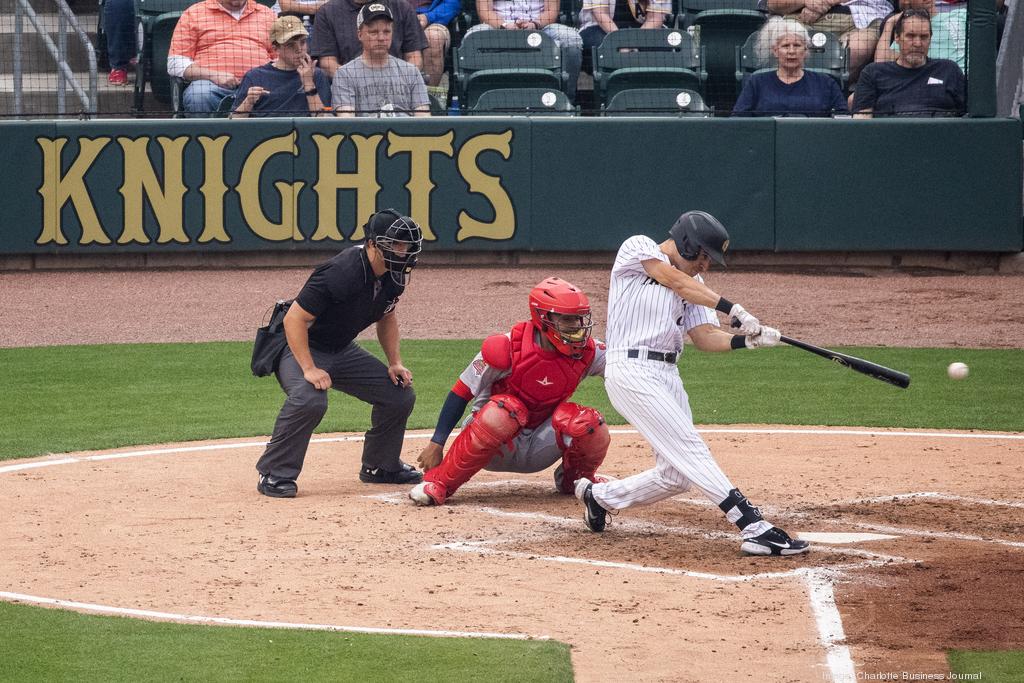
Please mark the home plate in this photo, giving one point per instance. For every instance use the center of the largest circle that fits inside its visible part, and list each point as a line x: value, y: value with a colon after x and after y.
x: 841, y: 538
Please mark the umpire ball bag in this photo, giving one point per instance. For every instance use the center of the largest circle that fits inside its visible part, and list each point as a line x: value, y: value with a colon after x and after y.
x: 270, y: 342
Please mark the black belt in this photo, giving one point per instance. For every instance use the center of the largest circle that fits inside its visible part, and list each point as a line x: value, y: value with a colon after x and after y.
x: 669, y: 357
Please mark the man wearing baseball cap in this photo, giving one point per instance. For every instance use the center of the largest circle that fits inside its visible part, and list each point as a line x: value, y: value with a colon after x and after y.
x: 291, y: 85
x: 377, y: 83
x: 336, y: 42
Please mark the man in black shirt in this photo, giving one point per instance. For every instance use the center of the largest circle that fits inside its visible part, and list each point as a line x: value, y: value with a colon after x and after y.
x: 358, y: 287
x: 913, y: 85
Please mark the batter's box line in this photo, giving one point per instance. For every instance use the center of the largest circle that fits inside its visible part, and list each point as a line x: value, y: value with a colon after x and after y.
x: 904, y: 531
x: 486, y: 547
x: 937, y: 496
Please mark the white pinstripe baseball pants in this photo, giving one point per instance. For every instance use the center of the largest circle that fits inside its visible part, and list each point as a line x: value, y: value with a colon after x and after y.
x: 651, y: 396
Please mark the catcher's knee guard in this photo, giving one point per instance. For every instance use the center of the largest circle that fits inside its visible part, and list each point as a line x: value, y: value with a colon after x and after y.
x: 498, y: 422
x: 583, y: 438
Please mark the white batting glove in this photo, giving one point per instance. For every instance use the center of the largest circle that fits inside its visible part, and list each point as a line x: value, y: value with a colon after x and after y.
x: 768, y: 336
x: 747, y: 324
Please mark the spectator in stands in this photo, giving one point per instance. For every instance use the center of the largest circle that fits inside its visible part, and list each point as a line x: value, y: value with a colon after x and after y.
x: 214, y: 43
x: 913, y: 85
x: 601, y: 17
x: 949, y: 33
x: 790, y: 90
x: 335, y: 39
x: 291, y: 85
x: 856, y: 22
x: 434, y: 17
x: 534, y: 15
x: 376, y: 83
x: 119, y: 28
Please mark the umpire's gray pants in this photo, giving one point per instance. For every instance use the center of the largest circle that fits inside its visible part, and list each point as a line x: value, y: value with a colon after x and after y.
x: 356, y: 372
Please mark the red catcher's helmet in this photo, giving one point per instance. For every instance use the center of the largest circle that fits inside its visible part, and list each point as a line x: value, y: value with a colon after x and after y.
x: 555, y: 295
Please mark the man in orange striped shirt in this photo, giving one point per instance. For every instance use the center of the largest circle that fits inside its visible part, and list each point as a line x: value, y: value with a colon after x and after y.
x: 214, y: 43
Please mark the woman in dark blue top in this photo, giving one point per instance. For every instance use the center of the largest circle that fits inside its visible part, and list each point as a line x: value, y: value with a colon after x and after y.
x: 790, y: 90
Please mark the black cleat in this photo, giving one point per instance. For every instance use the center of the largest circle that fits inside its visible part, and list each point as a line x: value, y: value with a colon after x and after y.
x: 277, y: 488
x: 378, y: 475
x: 775, y: 541
x: 593, y: 514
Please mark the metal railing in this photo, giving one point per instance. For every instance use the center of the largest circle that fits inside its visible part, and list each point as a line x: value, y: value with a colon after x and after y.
x: 59, y: 53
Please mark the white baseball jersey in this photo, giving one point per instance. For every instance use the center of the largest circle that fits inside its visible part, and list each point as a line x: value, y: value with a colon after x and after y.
x: 643, y: 313
x: 533, y: 450
x: 647, y: 316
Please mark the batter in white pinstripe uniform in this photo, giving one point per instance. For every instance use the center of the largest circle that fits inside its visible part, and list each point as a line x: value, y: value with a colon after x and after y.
x: 657, y: 295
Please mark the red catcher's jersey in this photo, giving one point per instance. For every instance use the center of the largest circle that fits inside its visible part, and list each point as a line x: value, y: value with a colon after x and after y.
x: 541, y: 379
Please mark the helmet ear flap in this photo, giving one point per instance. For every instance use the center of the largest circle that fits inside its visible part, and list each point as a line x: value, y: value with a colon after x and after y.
x: 689, y: 251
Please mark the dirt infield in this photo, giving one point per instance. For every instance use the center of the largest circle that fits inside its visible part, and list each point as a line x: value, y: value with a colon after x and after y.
x: 663, y: 595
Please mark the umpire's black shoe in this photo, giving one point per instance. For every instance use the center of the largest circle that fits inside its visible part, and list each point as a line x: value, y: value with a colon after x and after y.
x: 276, y: 487
x: 378, y: 475
x: 775, y: 541
x: 593, y: 514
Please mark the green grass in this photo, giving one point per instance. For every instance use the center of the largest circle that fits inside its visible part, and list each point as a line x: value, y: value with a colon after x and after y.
x: 995, y: 667
x: 59, y: 399
x: 38, y: 644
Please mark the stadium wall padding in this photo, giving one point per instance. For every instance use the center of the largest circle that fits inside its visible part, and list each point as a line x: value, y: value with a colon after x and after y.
x: 509, y: 183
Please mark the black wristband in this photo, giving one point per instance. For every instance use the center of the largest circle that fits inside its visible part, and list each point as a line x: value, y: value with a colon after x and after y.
x: 724, y: 305
x: 312, y: 91
x: 738, y: 342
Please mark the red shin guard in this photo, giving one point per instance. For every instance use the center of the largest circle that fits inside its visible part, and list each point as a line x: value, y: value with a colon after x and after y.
x: 499, y: 421
x: 583, y: 438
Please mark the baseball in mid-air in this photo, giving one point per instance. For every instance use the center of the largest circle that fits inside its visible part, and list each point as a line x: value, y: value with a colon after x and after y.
x: 957, y: 370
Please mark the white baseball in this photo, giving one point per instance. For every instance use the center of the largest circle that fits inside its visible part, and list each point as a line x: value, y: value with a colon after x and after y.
x: 957, y: 370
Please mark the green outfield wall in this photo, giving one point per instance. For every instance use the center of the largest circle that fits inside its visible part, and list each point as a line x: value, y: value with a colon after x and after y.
x: 540, y: 184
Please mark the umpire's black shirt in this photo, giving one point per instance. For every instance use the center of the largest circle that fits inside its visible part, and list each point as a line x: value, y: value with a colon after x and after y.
x: 346, y: 298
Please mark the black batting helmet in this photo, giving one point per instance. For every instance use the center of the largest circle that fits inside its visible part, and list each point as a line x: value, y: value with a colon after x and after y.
x: 699, y: 230
x: 389, y: 230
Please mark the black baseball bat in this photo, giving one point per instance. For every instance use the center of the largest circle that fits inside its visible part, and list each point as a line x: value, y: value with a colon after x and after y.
x: 865, y: 367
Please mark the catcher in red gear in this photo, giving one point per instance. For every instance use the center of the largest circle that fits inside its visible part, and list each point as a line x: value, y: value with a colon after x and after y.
x: 518, y: 384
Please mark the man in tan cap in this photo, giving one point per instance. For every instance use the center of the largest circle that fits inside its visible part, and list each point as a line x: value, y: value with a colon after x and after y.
x: 291, y: 85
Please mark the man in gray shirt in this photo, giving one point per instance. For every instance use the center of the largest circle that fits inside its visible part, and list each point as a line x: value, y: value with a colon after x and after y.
x: 375, y: 83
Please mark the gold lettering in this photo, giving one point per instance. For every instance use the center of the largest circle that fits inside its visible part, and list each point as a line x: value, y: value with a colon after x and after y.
x: 503, y: 226
x: 420, y: 185
x: 363, y: 180
x: 213, y: 189
x: 140, y: 182
x: 57, y: 189
x: 249, y: 191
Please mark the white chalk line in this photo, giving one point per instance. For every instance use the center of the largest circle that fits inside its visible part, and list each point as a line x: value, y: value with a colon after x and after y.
x: 224, y: 621
x: 360, y: 437
x: 821, y: 593
x: 939, y: 496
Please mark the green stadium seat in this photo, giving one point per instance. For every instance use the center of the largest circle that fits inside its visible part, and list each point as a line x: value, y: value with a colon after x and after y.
x: 490, y: 60
x: 719, y: 32
x: 646, y: 58
x: 524, y: 101
x: 685, y: 11
x: 151, y: 67
x: 658, y: 102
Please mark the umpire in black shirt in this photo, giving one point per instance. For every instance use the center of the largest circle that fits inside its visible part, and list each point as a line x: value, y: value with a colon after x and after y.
x: 359, y: 286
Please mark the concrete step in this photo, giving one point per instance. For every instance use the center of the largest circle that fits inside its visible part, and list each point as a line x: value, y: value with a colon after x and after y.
x: 39, y: 97
x: 79, y: 7
x: 34, y: 55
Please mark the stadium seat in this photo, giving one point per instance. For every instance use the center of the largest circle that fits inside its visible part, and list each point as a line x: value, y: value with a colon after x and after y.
x: 155, y: 40
x: 685, y: 11
x: 490, y: 60
x: 646, y: 58
x: 719, y: 32
x: 826, y: 55
x: 658, y: 102
x: 524, y: 101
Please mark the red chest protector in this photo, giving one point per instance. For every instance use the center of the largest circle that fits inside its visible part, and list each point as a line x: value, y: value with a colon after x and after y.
x: 540, y: 379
